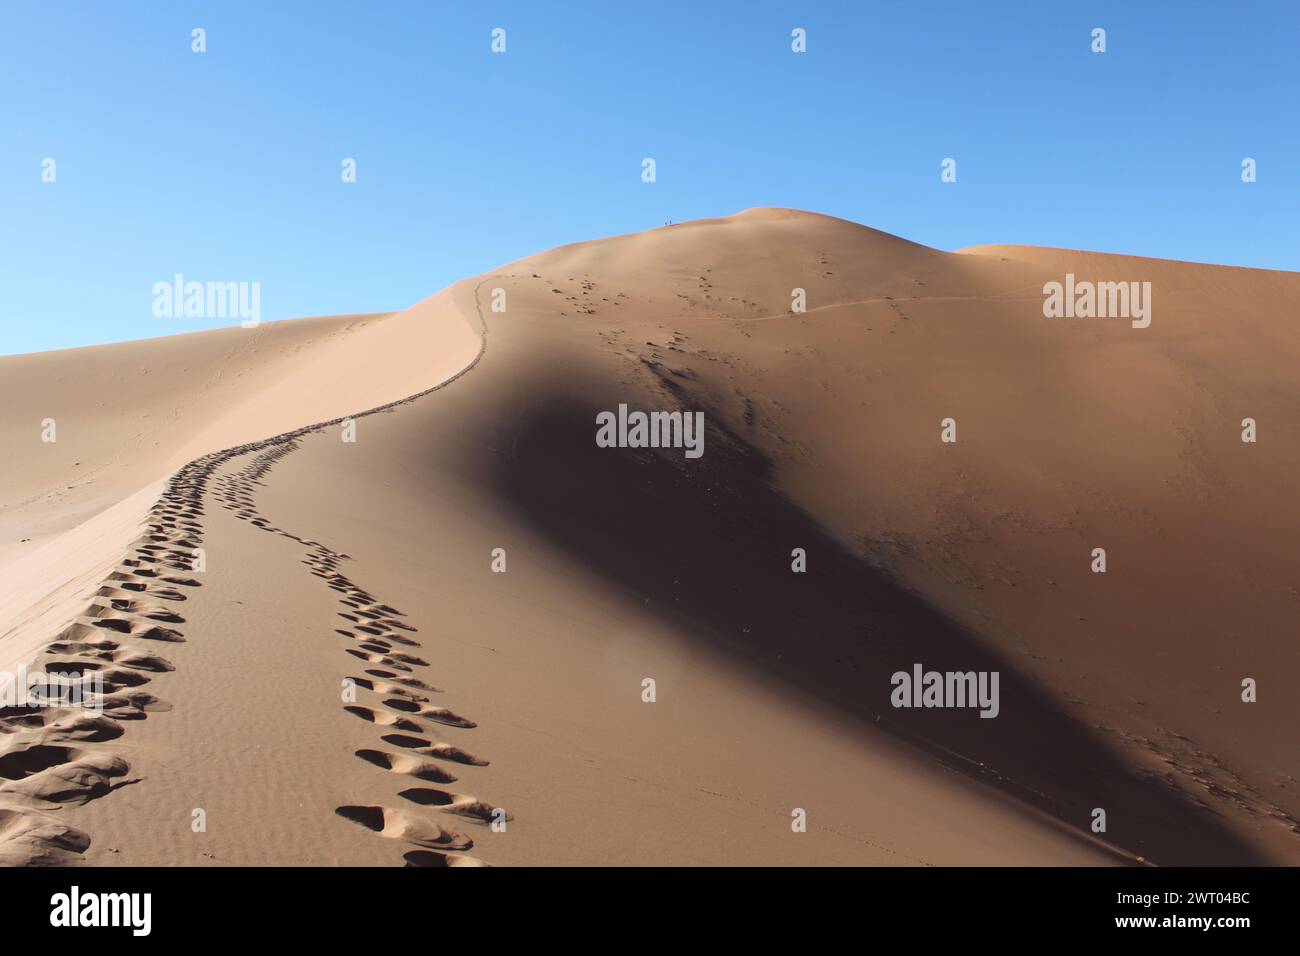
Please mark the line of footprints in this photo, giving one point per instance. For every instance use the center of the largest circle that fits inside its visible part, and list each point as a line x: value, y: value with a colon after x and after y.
x: 48, y: 757
x: 378, y: 638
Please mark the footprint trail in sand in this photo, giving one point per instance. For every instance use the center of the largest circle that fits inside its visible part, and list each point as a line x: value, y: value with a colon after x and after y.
x: 398, y: 700
x: 48, y: 754
x: 54, y: 756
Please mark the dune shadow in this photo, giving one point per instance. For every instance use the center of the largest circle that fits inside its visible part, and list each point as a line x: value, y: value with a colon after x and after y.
x: 707, y: 543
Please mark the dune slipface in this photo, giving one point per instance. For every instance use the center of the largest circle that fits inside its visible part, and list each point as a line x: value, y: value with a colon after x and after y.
x: 437, y: 621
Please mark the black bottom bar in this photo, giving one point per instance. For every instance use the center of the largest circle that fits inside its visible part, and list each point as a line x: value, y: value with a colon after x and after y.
x: 334, y: 905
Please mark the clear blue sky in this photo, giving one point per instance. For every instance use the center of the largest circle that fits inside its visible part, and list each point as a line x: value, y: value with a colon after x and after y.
x: 225, y: 165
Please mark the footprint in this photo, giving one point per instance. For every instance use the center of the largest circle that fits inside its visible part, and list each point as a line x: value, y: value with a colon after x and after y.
x: 383, y: 719
x: 80, y: 632
x: 430, y: 749
x: 144, y: 662
x: 133, y: 706
x: 18, y: 718
x: 73, y: 783
x: 439, y: 715
x: 383, y: 687
x: 165, y: 634
x: 15, y: 764
x: 404, y: 681
x: 377, y: 659
x: 434, y: 858
x: 408, y: 765
x: 99, y: 650
x: 155, y: 612
x: 38, y: 839
x: 115, y: 678
x: 398, y: 639
x: 140, y: 629
x: 162, y: 594
x: 82, y: 729
x: 72, y: 669
x: 408, y: 659
x: 400, y: 825
x: 451, y: 803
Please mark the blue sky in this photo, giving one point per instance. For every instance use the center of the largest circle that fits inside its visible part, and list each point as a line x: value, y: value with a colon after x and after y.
x: 224, y: 166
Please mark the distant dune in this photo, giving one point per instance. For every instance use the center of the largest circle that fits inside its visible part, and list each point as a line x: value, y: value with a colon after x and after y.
x: 350, y: 678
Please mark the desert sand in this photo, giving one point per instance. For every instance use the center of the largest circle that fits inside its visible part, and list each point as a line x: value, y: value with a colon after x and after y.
x: 350, y: 678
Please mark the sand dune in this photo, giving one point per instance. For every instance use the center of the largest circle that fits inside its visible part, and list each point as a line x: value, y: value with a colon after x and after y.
x: 126, y: 416
x: 349, y: 681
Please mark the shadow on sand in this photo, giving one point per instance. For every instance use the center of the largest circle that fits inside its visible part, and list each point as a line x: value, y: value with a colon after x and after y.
x: 708, y: 542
